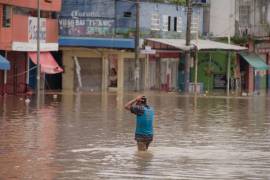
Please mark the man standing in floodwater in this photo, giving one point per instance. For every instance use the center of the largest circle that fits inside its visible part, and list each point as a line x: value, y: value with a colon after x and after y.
x: 144, y: 121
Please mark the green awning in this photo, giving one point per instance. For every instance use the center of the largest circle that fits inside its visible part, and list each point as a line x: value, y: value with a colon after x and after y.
x: 254, y: 60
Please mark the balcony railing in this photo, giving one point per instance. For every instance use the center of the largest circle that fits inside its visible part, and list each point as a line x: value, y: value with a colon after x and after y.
x: 262, y: 30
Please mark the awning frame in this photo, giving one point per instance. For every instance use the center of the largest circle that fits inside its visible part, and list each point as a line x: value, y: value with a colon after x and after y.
x: 255, y: 61
x: 200, y: 45
x: 47, y: 62
x: 4, y: 63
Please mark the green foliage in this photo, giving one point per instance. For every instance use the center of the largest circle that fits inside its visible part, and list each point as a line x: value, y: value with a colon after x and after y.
x: 240, y: 40
x: 235, y: 40
x: 178, y: 2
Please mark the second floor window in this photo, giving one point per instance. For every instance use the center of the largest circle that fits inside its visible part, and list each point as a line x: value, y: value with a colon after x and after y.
x: 155, y: 22
x: 6, y: 16
x: 195, y: 24
x: 127, y: 14
x: 165, y: 23
x: 244, y: 15
x: 179, y: 24
x: 175, y: 24
x: 169, y: 23
x: 166, y: 26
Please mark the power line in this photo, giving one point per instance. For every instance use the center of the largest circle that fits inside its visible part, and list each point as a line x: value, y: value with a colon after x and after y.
x: 22, y: 73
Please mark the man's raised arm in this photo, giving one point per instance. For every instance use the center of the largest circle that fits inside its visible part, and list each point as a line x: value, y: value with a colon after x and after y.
x: 131, y: 102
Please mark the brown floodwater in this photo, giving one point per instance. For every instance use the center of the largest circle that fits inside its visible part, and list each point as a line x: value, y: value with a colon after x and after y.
x: 91, y: 136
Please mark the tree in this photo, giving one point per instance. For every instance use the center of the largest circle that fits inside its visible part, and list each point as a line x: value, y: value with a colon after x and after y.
x: 178, y: 2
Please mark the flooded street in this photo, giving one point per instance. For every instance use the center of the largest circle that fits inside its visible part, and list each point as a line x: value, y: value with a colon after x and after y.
x: 91, y: 136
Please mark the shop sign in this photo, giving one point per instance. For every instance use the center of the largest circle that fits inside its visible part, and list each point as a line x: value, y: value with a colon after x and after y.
x: 32, y: 30
x: 76, y: 14
x: 148, y: 50
x: 86, y: 27
x: 29, y: 46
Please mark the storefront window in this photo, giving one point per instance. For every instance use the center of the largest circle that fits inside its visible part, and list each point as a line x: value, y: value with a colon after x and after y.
x: 6, y: 16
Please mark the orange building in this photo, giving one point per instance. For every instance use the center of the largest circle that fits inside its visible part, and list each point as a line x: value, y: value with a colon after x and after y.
x: 18, y: 41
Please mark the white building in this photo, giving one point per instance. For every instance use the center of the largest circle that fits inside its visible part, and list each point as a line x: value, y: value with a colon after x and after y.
x: 252, y: 17
x: 222, y: 18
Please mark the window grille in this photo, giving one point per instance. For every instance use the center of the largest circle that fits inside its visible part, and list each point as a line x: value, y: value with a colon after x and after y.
x: 179, y: 24
x: 244, y: 15
x: 165, y: 22
x: 155, y: 22
x: 195, y: 24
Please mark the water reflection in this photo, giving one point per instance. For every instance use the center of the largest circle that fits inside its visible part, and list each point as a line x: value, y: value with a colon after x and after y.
x: 27, y: 140
x: 91, y: 136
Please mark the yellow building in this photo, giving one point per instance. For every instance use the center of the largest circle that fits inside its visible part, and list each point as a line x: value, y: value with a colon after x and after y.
x: 91, y: 68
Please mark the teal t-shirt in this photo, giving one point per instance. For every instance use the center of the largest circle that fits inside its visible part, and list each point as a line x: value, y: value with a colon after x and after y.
x: 144, y: 120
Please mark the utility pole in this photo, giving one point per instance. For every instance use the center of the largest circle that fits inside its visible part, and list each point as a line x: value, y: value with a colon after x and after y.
x: 229, y: 53
x: 187, y: 53
x: 137, y: 47
x: 38, y: 48
x: 228, y: 69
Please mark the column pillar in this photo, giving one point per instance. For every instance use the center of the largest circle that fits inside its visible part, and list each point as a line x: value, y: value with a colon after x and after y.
x: 250, y: 80
x: 68, y: 75
x: 120, y: 73
x: 238, y: 75
x: 146, y: 73
x: 105, y: 72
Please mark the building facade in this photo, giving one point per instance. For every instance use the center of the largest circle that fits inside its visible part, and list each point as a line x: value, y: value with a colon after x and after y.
x: 97, y: 43
x: 252, y: 20
x: 222, y: 13
x: 18, y: 41
x: 92, y: 53
x: 245, y: 22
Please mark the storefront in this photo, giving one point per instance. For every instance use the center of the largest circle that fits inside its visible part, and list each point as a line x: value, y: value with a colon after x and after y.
x: 106, y: 65
x: 19, y: 27
x: 163, y: 71
x: 253, y: 73
x: 171, y: 70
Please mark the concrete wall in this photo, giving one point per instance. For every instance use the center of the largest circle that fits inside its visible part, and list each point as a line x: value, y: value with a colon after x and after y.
x: 20, y: 31
x: 68, y: 75
x: 54, y: 5
x: 222, y: 18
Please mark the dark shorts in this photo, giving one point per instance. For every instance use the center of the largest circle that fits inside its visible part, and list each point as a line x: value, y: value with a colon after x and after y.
x: 143, y: 138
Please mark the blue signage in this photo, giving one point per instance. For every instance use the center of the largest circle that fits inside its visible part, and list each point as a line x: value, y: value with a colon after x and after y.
x: 87, y: 18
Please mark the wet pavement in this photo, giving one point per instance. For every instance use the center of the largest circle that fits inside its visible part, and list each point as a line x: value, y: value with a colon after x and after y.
x: 90, y: 136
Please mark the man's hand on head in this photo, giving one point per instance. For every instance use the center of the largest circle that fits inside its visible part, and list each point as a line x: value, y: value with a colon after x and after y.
x: 139, y: 97
x: 129, y: 104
